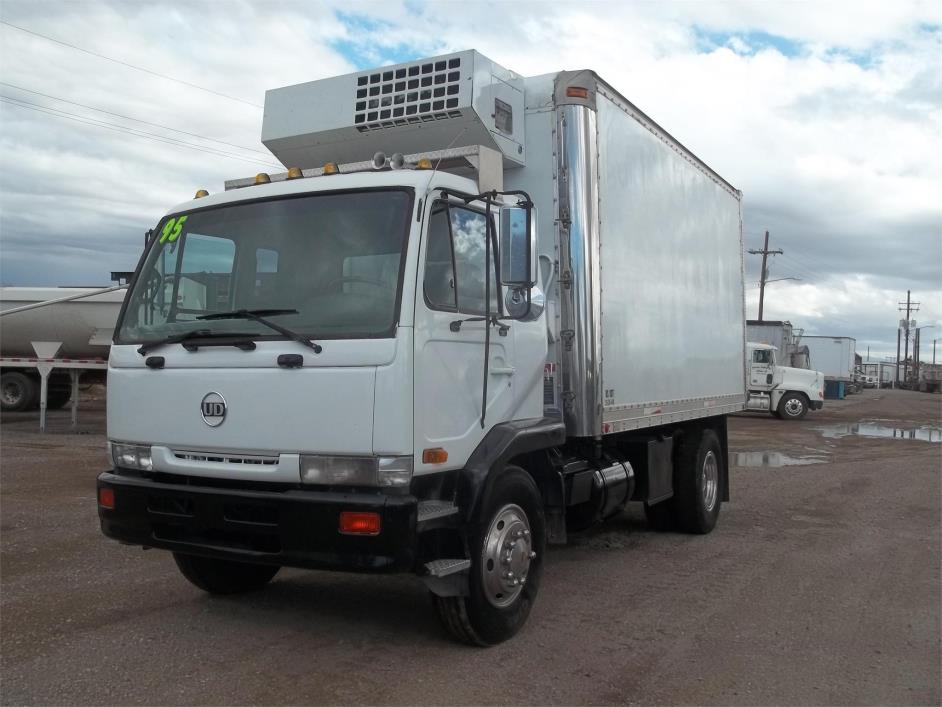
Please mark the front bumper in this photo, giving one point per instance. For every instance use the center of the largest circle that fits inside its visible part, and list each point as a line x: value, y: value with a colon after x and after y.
x: 292, y: 527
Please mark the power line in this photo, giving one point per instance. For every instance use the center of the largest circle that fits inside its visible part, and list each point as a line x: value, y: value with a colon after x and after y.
x: 132, y: 66
x: 127, y: 130
x: 127, y: 117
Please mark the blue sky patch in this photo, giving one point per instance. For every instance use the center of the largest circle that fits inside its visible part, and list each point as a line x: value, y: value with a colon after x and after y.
x: 361, y: 49
x: 748, y: 43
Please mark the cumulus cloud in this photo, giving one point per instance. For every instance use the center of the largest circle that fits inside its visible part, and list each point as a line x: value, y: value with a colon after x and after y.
x: 827, y: 115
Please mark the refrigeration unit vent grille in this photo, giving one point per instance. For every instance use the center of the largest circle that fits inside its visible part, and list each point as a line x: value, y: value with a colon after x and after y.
x: 405, y: 95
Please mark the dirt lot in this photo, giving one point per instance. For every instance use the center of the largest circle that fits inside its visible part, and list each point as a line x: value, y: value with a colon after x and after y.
x: 821, y: 585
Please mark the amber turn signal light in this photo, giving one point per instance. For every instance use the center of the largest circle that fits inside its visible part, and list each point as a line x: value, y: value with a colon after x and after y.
x: 436, y: 455
x: 577, y: 92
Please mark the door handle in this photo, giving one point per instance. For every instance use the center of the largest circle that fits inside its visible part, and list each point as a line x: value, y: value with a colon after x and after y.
x: 502, y: 371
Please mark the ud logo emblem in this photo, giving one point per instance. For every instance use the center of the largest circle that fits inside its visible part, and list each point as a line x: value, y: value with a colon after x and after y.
x: 213, y: 409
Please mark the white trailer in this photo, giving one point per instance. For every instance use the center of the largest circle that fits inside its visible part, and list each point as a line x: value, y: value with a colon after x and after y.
x: 783, y: 336
x: 832, y: 355
x: 437, y: 362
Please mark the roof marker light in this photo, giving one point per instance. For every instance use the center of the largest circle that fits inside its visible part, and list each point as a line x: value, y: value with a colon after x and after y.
x: 424, y: 163
x: 331, y: 168
x: 295, y: 173
x: 577, y: 92
x: 200, y: 193
x: 262, y: 178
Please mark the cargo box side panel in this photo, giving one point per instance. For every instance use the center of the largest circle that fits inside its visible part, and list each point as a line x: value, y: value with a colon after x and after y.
x: 673, y: 324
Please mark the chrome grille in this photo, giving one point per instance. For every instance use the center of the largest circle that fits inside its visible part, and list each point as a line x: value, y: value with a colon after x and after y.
x: 223, y: 458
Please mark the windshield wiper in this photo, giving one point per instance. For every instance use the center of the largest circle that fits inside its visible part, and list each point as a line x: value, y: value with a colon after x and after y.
x: 256, y: 315
x: 239, y: 338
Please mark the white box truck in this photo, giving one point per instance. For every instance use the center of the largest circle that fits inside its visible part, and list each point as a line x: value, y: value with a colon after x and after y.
x: 437, y: 362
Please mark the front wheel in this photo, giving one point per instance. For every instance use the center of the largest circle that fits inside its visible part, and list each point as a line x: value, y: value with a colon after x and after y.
x: 506, y: 565
x: 793, y: 406
x: 224, y: 576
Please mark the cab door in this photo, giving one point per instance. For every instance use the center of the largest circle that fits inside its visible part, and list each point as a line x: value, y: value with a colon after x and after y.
x: 761, y: 369
x: 450, y: 337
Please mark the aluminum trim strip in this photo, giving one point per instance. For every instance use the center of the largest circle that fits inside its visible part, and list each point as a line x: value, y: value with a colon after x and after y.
x: 581, y: 300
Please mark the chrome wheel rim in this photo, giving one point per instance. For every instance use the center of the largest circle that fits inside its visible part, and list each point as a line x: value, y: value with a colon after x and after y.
x: 710, y: 473
x: 506, y: 556
x: 793, y: 407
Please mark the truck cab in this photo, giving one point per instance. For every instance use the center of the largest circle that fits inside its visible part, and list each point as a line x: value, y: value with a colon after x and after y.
x: 787, y: 393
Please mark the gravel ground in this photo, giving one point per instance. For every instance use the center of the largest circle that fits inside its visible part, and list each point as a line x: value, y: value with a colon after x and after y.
x: 821, y: 585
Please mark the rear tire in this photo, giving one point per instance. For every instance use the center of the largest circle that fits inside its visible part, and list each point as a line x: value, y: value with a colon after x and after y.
x: 699, y: 474
x: 511, y: 538
x: 793, y: 406
x: 18, y: 392
x: 224, y: 576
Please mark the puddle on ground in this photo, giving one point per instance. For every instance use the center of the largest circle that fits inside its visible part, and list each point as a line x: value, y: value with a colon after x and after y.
x: 924, y: 433
x: 772, y: 459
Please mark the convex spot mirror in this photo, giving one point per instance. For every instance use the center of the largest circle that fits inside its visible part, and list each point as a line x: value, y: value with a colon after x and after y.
x: 518, y: 256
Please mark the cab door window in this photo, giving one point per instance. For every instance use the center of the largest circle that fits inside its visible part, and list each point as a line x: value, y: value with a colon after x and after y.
x: 455, y: 267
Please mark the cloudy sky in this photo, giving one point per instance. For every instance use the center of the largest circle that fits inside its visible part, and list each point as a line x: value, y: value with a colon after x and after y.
x: 827, y: 115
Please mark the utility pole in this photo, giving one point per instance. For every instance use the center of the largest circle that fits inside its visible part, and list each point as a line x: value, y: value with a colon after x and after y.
x: 911, y: 308
x: 765, y: 252
x: 898, y: 332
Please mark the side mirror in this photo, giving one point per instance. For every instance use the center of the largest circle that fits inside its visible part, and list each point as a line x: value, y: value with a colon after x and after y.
x: 518, y: 253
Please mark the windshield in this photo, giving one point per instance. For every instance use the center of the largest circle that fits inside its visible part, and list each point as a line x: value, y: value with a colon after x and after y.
x: 335, y: 258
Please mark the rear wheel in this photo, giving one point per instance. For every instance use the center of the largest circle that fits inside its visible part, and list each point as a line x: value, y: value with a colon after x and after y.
x: 793, y: 406
x: 698, y: 480
x: 224, y: 576
x: 506, y: 565
x: 18, y: 392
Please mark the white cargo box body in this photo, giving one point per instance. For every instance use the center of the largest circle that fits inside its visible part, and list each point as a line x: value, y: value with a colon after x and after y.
x: 649, y: 291
x: 832, y: 355
x: 640, y: 242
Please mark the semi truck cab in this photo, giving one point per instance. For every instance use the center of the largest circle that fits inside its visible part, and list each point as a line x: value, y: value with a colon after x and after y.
x: 787, y: 393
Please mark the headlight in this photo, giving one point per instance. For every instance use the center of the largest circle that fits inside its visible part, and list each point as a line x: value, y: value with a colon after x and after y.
x: 131, y: 456
x: 356, y: 471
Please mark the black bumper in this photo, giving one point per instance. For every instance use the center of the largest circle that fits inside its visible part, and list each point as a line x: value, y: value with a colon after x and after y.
x: 292, y: 528
x: 816, y: 404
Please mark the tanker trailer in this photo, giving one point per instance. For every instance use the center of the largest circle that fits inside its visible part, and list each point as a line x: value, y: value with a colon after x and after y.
x: 55, y: 333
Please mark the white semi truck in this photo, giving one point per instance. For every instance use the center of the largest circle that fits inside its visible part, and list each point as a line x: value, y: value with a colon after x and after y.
x: 436, y: 362
x: 785, y: 392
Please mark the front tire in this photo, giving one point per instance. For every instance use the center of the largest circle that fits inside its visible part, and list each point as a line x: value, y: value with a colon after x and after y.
x: 793, y: 406
x: 224, y: 576
x: 507, y: 549
x: 698, y: 481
